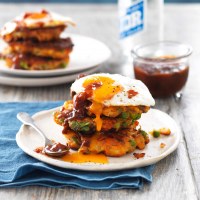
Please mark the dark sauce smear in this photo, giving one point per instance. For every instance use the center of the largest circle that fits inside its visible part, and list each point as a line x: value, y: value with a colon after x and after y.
x: 57, y: 147
x: 132, y: 93
x: 39, y: 150
x: 80, y: 103
x: 162, y: 81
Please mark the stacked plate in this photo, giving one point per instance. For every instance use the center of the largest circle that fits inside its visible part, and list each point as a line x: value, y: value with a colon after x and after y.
x: 85, y: 58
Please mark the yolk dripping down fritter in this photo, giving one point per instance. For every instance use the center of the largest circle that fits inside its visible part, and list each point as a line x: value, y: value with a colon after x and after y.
x: 101, y: 89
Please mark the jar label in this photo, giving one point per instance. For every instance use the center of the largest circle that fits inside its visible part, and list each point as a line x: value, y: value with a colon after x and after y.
x: 132, y: 19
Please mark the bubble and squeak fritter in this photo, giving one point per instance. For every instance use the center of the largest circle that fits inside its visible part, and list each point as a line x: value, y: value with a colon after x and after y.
x: 102, y: 116
x: 34, y: 41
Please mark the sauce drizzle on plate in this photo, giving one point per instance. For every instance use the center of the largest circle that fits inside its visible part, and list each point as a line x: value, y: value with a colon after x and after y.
x: 76, y: 157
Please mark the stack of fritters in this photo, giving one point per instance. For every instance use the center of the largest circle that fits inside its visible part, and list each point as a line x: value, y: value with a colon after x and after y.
x: 118, y: 134
x: 92, y: 127
x: 34, y: 42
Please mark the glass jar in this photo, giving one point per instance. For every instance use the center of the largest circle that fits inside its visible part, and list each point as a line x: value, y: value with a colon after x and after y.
x: 162, y: 66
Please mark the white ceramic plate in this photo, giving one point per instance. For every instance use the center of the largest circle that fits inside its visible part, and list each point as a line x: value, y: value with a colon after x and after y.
x: 27, y: 139
x: 87, y: 53
x: 40, y: 81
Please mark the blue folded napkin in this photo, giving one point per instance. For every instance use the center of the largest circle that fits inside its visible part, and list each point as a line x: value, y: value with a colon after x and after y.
x: 18, y: 169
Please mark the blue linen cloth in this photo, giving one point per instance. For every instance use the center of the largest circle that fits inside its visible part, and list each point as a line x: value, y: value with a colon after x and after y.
x: 18, y: 169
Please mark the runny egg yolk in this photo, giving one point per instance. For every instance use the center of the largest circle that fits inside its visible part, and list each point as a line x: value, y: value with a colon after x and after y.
x: 100, y: 89
x: 36, y: 15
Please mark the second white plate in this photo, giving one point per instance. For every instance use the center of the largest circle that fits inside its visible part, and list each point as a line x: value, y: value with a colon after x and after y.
x: 41, y: 81
x: 28, y: 140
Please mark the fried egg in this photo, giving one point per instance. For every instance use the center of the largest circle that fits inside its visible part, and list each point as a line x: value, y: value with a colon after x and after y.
x: 114, y: 90
x: 105, y: 90
x: 36, y: 20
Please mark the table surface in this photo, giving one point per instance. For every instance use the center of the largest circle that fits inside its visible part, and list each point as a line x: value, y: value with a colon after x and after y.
x: 178, y: 175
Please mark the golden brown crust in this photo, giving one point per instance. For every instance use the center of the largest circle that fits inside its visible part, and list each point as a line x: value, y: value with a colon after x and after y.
x: 73, y: 139
x: 112, y: 144
x: 58, y: 49
x: 38, y: 34
x: 119, y: 132
x: 30, y: 62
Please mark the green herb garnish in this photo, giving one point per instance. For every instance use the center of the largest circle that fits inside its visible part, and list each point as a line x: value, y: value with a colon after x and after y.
x: 125, y: 115
x: 75, y: 139
x: 133, y: 143
x: 125, y: 124
x: 117, y: 126
x: 62, y: 65
x: 80, y: 126
x: 156, y: 134
x: 144, y: 134
x: 23, y: 65
x: 135, y: 116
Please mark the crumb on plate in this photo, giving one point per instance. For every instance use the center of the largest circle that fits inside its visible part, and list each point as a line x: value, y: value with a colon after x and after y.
x: 162, y: 145
x: 161, y: 131
x: 139, y: 155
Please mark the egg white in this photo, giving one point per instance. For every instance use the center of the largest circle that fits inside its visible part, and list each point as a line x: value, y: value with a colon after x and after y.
x: 50, y: 20
x: 121, y: 98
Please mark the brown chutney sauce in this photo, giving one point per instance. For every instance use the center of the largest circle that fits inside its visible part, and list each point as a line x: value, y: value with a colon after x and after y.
x: 80, y: 103
x: 162, y: 81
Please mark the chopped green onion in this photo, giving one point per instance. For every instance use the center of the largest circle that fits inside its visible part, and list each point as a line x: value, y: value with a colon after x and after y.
x: 61, y: 120
x: 117, y: 126
x: 133, y: 143
x: 144, y: 134
x: 75, y: 139
x: 23, y: 65
x: 62, y: 65
x: 125, y: 115
x: 80, y: 126
x: 156, y: 134
x: 135, y: 116
x: 125, y: 124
